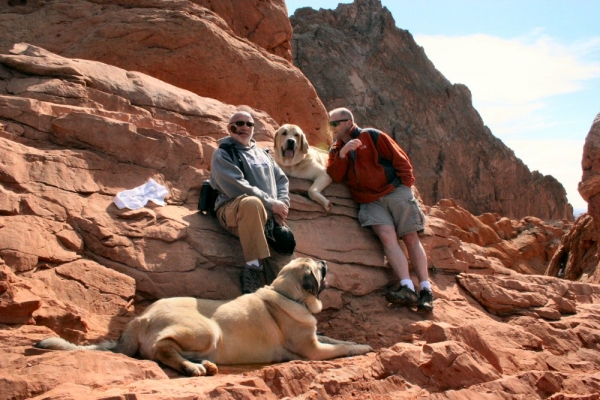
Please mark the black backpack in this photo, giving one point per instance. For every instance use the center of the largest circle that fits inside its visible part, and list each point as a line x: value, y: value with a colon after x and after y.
x: 388, y: 167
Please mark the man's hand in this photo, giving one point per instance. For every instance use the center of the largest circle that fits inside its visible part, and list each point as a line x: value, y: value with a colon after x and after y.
x: 350, y: 146
x: 280, y: 212
x: 279, y: 220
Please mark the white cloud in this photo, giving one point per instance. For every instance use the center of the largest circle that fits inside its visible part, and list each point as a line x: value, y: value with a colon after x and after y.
x: 510, y: 78
x: 586, y: 48
x: 559, y: 158
x: 512, y: 81
x: 510, y: 71
x: 504, y: 116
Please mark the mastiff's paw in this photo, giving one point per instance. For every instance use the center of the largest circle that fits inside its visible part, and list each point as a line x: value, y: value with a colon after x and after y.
x: 205, y: 368
x: 360, y: 349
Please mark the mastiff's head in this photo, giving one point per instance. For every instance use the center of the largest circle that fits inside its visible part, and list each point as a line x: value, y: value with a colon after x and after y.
x: 302, y: 280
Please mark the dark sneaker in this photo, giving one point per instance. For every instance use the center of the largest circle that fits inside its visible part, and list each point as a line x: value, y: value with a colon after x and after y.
x: 251, y: 281
x: 425, y: 301
x: 403, y: 296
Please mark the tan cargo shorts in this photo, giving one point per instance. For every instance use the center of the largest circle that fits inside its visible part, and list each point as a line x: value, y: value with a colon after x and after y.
x: 398, y: 208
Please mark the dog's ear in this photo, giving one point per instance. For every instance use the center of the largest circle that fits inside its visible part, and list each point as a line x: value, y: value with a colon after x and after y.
x: 310, y: 282
x: 277, y: 135
x: 323, y: 268
x: 304, y: 146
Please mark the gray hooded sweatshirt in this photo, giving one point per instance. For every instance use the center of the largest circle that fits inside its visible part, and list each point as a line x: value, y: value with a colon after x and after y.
x: 263, y: 177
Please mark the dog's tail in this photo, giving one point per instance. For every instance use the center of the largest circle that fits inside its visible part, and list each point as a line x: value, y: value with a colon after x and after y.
x: 127, y: 343
x: 129, y: 340
x: 56, y: 343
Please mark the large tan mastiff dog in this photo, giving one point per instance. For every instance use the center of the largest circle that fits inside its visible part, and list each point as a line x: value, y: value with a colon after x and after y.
x: 296, y: 158
x: 273, y: 324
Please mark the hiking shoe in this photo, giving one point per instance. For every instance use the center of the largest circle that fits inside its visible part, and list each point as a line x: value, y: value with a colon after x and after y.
x: 403, y: 296
x: 251, y: 281
x: 425, y: 301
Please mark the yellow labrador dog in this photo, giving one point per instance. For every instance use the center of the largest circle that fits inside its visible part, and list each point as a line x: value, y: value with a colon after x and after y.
x: 296, y: 158
x: 273, y: 324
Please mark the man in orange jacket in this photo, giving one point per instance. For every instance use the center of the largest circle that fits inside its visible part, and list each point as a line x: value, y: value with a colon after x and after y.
x: 379, y: 175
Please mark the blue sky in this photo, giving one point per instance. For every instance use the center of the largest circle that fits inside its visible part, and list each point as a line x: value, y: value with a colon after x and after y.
x: 533, y: 68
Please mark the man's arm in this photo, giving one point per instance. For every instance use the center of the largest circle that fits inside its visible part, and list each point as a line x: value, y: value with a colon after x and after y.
x: 336, y: 166
x: 283, y: 184
x: 281, y: 205
x: 227, y: 178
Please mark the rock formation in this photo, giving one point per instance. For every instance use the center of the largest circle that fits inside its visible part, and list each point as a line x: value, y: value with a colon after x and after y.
x: 264, y: 23
x: 238, y: 53
x: 578, y: 256
x: 388, y: 82
x: 589, y: 187
x: 184, y: 44
x: 73, y: 133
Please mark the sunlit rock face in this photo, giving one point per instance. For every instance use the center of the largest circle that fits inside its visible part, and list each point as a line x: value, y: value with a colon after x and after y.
x: 578, y: 255
x: 75, y: 132
x: 234, y: 51
x: 388, y: 82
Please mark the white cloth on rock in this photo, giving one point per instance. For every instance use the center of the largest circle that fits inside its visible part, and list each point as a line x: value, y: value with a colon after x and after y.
x: 139, y: 196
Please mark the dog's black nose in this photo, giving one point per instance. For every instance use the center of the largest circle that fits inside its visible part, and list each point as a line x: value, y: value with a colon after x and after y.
x: 290, y: 144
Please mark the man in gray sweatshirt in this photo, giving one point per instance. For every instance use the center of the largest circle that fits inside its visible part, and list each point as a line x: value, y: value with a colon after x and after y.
x: 253, y: 193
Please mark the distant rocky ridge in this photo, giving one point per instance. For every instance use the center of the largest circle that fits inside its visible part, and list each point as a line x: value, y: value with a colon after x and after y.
x: 356, y: 57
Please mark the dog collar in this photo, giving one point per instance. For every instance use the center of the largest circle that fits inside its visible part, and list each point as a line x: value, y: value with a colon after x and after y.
x: 287, y: 297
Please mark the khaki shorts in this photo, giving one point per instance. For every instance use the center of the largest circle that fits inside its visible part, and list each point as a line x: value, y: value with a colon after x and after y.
x: 398, y: 208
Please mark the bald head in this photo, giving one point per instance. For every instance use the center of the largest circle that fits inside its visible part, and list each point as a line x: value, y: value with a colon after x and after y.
x: 241, y: 116
x: 341, y: 122
x: 341, y: 113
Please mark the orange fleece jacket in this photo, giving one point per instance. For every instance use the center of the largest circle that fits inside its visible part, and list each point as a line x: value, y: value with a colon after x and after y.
x: 361, y: 171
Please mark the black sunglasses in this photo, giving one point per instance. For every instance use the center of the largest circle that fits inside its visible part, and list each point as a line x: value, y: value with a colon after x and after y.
x: 241, y: 123
x: 336, y: 123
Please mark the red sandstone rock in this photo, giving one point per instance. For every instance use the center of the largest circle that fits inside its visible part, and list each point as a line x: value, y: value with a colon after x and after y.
x: 63, y: 125
x: 17, y: 302
x: 385, y: 78
x: 264, y: 23
x: 578, y: 255
x: 182, y: 43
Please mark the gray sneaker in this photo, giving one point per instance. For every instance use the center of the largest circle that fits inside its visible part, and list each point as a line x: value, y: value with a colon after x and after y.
x: 403, y: 296
x: 425, y: 301
x: 251, y: 281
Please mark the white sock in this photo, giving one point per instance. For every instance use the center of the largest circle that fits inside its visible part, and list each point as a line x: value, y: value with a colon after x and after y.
x: 425, y: 285
x: 253, y: 264
x: 408, y: 283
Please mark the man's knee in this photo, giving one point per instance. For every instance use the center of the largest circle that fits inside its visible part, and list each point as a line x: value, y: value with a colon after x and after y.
x: 411, y: 239
x: 386, y: 234
x: 252, y: 204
